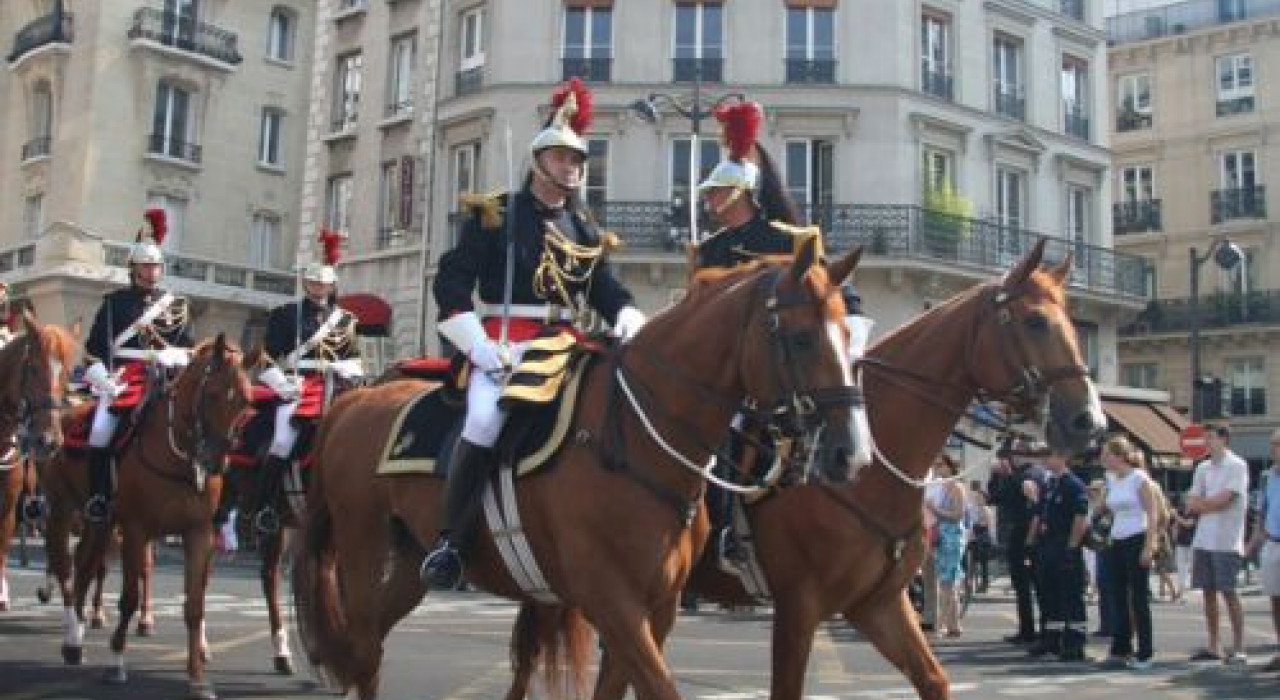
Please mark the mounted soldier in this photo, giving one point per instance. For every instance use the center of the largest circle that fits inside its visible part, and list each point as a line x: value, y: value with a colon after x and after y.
x: 537, y: 259
x: 140, y: 334
x: 316, y: 352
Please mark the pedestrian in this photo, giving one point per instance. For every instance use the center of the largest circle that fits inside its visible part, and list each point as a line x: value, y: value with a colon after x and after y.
x: 1098, y: 513
x: 979, y: 517
x: 1184, y: 531
x: 1218, y: 492
x: 947, y: 503
x: 1057, y: 531
x: 1015, y: 489
x: 1266, y: 541
x: 1135, y: 518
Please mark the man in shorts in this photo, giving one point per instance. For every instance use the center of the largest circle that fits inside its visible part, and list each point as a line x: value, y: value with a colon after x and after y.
x: 1218, y: 494
x: 1266, y: 536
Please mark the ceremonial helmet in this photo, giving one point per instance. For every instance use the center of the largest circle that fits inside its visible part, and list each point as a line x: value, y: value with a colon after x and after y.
x: 570, y: 118
x: 740, y: 123
x: 322, y: 270
x: 146, y: 247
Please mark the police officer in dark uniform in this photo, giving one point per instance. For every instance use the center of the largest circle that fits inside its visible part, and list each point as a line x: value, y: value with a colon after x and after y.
x: 1058, y: 530
x: 1015, y: 488
x: 138, y: 332
x: 559, y: 274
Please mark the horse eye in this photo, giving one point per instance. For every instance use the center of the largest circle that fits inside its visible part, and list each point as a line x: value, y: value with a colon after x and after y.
x: 1037, y: 323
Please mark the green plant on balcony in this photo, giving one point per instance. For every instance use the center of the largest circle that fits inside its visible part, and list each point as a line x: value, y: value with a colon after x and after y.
x: 946, y: 220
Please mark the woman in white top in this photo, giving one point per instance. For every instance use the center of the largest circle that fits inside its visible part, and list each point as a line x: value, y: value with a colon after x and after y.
x: 1134, y: 535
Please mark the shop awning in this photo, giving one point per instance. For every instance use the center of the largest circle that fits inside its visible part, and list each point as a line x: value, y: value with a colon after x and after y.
x: 1150, y: 424
x: 373, y: 313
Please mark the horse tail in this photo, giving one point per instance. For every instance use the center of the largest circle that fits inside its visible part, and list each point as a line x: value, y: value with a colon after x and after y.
x: 321, y: 620
x: 557, y: 637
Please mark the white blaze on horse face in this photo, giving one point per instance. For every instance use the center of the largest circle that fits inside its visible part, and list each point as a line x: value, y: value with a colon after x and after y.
x: 858, y: 425
x: 1095, y: 405
x: 55, y: 371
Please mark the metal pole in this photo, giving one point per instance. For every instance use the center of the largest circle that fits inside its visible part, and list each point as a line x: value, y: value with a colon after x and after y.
x: 1197, y: 412
x: 694, y: 150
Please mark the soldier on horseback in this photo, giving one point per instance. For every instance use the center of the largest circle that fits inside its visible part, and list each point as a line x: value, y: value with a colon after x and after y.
x: 536, y: 257
x: 139, y: 334
x: 313, y: 344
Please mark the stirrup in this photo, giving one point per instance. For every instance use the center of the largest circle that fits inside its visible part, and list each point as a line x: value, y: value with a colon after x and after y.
x: 98, y: 509
x: 33, y: 509
x: 730, y: 552
x: 267, y: 521
x: 442, y: 569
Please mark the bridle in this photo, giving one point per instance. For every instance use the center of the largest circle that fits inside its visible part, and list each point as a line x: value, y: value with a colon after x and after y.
x: 207, y: 445
x: 29, y: 406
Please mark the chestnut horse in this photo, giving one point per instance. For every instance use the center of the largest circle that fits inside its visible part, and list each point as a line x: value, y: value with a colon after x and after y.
x: 161, y: 490
x: 34, y: 368
x: 613, y: 518
x: 852, y: 550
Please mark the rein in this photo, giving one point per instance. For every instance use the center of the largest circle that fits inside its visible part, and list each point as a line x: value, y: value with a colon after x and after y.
x: 23, y: 414
x: 198, y: 440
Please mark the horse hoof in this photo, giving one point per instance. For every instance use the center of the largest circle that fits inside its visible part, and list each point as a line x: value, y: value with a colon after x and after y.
x: 43, y: 595
x: 115, y: 676
x: 202, y: 691
x: 146, y: 629
x: 284, y: 665
x: 72, y: 656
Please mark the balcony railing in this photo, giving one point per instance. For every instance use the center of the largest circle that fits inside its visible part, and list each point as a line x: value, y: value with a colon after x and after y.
x: 1009, y: 102
x: 1235, y: 105
x: 1072, y: 8
x: 37, y: 147
x: 1075, y: 122
x: 1130, y: 120
x: 707, y: 70
x: 1184, y: 17
x: 398, y: 109
x: 210, y: 271
x: 185, y: 34
x: 1141, y: 216
x: 390, y: 238
x: 818, y: 71
x: 1216, y: 311
x: 468, y: 81
x: 42, y: 31
x: 591, y: 70
x: 900, y: 231
x: 936, y: 83
x: 161, y: 145
x: 1238, y: 203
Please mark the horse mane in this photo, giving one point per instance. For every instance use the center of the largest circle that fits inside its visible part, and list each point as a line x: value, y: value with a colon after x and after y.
x: 57, y: 342
x: 714, y: 280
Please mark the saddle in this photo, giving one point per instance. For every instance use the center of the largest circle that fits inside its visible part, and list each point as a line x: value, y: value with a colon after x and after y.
x: 75, y: 436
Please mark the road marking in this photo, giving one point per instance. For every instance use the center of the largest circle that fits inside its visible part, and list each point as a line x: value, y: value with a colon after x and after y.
x: 181, y: 655
x: 497, y: 676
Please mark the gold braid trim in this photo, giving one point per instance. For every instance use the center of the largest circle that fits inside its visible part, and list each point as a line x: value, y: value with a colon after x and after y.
x: 563, y: 263
x: 487, y: 206
x: 801, y: 235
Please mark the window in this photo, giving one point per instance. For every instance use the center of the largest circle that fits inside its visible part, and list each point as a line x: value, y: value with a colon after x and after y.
x: 175, y: 211
x: 1009, y: 98
x: 596, y: 178
x: 1134, y: 101
x: 338, y: 203
x: 811, y: 45
x: 939, y: 168
x: 1238, y: 170
x: 400, y: 75
x: 172, y: 126
x: 1087, y: 341
x: 708, y: 156
x: 1140, y: 375
x: 41, y: 111
x: 471, y: 39
x: 1235, y: 84
x: 699, y: 43
x: 389, y: 199
x: 809, y: 178
x: 280, y: 37
x: 1231, y: 10
x: 1248, y: 386
x: 179, y: 22
x: 346, y: 94
x: 588, y: 43
x: 1137, y: 210
x: 465, y: 176
x: 1079, y: 214
x: 269, y: 137
x: 935, y: 56
x: 1075, y: 97
x: 263, y: 237
x: 33, y: 216
x: 1010, y: 198
x: 1137, y: 183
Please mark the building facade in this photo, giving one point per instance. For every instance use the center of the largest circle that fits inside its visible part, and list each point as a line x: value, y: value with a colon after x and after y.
x: 1194, y: 95
x: 193, y: 106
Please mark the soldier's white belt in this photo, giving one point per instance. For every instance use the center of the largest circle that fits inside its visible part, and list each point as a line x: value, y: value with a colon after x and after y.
x: 537, y: 312
x: 134, y: 354
x: 323, y: 364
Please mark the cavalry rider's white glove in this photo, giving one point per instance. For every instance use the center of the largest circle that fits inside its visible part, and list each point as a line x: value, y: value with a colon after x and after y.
x: 284, y: 386
x: 486, y: 357
x: 100, y: 381
x: 859, y: 334
x: 628, y: 323
x: 172, y: 357
x: 464, y: 331
x: 348, y: 369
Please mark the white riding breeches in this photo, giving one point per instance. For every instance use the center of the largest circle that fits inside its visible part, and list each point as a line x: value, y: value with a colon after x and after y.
x: 285, y: 435
x: 104, y: 424
x: 484, y: 418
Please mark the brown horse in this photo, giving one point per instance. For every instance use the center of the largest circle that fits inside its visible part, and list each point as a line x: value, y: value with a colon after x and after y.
x: 852, y: 550
x: 161, y: 490
x: 34, y: 368
x: 612, y: 519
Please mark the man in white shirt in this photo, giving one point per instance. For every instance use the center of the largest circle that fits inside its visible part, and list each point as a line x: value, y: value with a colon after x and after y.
x: 1218, y: 495
x: 1266, y: 537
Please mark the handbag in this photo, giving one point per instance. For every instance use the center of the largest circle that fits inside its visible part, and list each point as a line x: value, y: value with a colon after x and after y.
x: 1098, y: 535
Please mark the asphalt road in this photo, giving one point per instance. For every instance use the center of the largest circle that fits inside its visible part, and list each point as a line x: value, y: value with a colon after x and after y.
x: 454, y: 647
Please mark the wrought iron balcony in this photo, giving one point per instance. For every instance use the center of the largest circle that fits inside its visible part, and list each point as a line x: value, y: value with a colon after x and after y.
x: 1183, y: 17
x: 591, y: 70
x: 1238, y: 105
x: 389, y: 238
x: 1216, y: 311
x: 1072, y: 8
x: 805, y: 71
x: 161, y: 145
x: 1141, y: 216
x: 398, y: 109
x: 707, y: 70
x: 52, y: 28
x: 37, y: 147
x: 185, y: 34
x: 468, y: 81
x: 1131, y: 120
x: 1075, y: 122
x: 1009, y: 102
x: 1238, y: 203
x: 937, y: 83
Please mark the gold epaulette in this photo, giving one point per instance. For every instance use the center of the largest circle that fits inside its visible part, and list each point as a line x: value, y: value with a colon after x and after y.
x: 488, y: 206
x: 801, y: 236
x: 610, y: 242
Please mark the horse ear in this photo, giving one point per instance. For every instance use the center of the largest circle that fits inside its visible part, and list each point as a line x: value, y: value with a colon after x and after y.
x: 219, y: 354
x: 842, y: 269
x: 805, y: 257
x: 1029, y: 263
x: 253, y: 359
x: 29, y: 321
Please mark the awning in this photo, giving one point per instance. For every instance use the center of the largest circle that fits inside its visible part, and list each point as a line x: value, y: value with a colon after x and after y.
x: 372, y: 312
x: 1147, y: 424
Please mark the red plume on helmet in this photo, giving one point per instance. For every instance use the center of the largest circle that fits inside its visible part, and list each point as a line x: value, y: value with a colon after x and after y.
x: 159, y: 225
x: 741, y: 126
x: 579, y: 121
x: 332, y: 243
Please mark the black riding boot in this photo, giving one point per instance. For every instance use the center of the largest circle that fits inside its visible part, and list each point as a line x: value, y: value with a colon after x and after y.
x: 1073, y: 644
x: 98, y: 509
x: 1050, y: 643
x: 266, y: 517
x: 469, y: 467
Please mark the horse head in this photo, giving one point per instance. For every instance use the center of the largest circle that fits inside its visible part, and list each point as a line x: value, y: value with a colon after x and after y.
x: 37, y: 387
x: 212, y: 391
x: 1031, y: 357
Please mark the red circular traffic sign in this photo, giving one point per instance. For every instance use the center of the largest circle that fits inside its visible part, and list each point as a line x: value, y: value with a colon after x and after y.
x: 1192, y: 442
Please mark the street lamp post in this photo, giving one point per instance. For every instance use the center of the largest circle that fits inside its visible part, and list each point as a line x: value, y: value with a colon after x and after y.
x: 1227, y: 255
